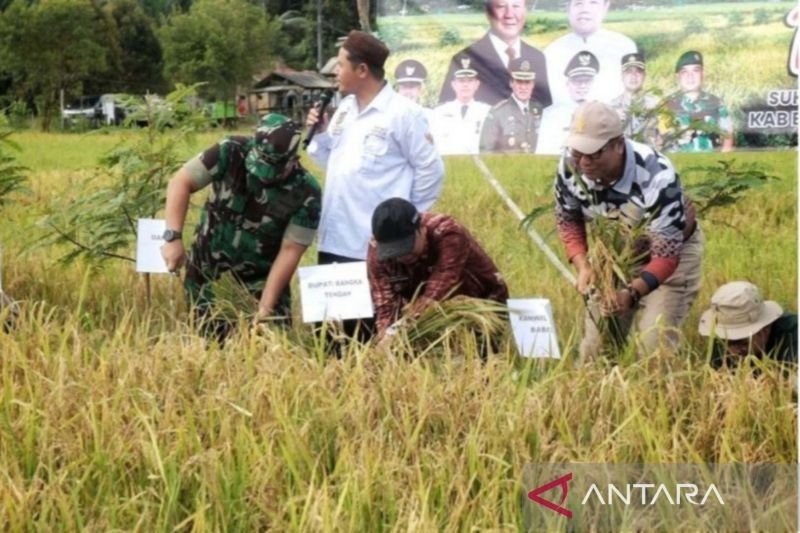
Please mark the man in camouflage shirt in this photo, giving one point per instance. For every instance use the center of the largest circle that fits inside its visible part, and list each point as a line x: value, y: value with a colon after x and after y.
x: 513, y: 124
x: 428, y: 256
x: 703, y: 120
x: 261, y: 215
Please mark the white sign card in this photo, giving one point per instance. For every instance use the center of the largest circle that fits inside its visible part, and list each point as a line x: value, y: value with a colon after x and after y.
x: 534, y: 328
x: 335, y: 292
x: 149, y: 239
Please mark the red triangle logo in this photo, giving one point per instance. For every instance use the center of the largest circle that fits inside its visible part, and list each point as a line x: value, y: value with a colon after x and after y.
x: 563, y: 482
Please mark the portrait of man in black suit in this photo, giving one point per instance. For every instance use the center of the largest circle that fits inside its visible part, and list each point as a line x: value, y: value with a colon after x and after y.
x: 491, y: 54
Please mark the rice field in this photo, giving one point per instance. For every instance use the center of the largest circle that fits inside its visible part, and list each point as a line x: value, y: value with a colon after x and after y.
x: 115, y: 415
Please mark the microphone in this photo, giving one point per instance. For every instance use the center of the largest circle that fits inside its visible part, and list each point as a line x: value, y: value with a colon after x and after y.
x: 326, y: 98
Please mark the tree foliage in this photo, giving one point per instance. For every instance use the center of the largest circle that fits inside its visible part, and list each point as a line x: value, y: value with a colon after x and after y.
x: 220, y: 42
x: 137, y: 64
x: 51, y: 45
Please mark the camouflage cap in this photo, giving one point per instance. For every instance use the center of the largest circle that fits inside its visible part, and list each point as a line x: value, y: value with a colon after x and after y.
x: 633, y: 60
x: 521, y: 69
x: 278, y: 136
x: 275, y: 142
x: 410, y: 71
x: 692, y: 57
x: 464, y: 67
x: 584, y: 63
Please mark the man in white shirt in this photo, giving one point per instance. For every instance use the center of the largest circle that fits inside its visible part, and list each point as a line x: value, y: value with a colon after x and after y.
x: 492, y: 53
x: 376, y: 146
x: 580, y: 75
x: 457, y: 124
x: 586, y: 19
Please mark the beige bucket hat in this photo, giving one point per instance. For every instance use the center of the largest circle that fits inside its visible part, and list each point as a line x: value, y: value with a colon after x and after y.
x: 738, y: 312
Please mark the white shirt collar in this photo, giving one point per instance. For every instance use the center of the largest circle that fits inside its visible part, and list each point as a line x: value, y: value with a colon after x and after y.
x: 381, y: 100
x: 501, y: 46
x: 522, y: 105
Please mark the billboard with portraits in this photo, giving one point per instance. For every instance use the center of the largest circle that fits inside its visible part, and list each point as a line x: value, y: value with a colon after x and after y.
x: 506, y: 75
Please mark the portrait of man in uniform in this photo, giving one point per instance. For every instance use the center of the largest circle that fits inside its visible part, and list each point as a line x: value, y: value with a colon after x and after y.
x: 457, y: 124
x: 703, y: 120
x: 512, y: 125
x: 636, y: 107
x: 580, y: 75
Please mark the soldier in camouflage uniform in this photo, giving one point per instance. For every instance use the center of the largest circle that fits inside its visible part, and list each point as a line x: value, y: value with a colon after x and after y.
x: 691, y: 105
x: 513, y: 125
x: 261, y: 215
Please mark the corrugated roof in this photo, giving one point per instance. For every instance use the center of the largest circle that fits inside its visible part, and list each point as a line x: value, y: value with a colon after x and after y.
x: 307, y: 79
x: 328, y: 69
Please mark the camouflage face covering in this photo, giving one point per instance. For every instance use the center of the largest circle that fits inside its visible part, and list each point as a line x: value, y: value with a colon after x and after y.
x: 274, y: 144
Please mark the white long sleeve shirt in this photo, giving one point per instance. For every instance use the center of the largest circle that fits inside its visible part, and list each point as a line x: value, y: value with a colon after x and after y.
x: 456, y: 134
x: 384, y: 151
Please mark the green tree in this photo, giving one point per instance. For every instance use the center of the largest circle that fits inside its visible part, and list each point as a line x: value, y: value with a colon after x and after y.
x: 298, y: 44
x: 136, y: 66
x: 52, y: 45
x: 220, y: 42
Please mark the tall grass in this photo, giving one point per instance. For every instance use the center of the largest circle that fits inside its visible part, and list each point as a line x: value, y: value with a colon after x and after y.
x: 116, y: 415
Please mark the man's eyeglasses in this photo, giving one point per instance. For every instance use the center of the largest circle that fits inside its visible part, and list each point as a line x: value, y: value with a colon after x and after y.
x: 577, y: 156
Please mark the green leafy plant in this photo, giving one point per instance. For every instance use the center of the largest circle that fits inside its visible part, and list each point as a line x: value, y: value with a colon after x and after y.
x: 735, y: 18
x: 724, y: 184
x: 12, y: 178
x: 102, y: 224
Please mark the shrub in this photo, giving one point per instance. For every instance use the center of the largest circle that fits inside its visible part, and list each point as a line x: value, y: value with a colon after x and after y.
x: 450, y: 36
x: 761, y: 16
x: 694, y: 26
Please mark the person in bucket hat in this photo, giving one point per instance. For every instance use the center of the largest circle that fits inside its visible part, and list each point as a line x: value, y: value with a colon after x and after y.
x: 259, y: 219
x: 603, y: 174
x: 746, y: 323
x: 424, y: 257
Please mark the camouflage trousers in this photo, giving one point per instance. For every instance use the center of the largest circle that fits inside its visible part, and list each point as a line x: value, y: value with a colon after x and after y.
x: 206, y: 266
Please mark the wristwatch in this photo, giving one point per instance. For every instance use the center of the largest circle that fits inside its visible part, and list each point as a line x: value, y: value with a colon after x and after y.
x: 635, y: 294
x: 172, y: 235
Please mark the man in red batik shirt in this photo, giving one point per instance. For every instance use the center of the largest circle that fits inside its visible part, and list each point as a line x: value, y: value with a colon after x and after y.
x: 424, y: 257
